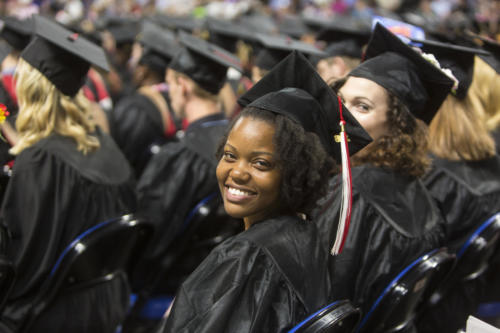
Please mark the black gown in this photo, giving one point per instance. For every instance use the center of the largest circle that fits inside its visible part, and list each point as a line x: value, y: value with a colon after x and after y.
x: 394, y: 221
x: 174, y: 181
x: 265, y: 279
x: 468, y: 193
x: 55, y: 194
x: 136, y: 124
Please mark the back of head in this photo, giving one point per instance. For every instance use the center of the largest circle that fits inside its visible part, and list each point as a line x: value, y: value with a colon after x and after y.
x: 44, y: 110
x: 459, y: 132
x: 484, y: 92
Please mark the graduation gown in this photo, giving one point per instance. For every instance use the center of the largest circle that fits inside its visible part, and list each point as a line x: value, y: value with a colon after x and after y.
x: 175, y: 180
x: 55, y: 194
x: 394, y: 221
x: 468, y: 193
x: 136, y: 124
x: 265, y: 279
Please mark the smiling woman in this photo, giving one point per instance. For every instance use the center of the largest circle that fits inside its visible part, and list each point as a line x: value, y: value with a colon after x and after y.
x: 273, y: 163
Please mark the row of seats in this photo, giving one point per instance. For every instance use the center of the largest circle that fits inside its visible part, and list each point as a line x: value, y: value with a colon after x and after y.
x: 419, y: 285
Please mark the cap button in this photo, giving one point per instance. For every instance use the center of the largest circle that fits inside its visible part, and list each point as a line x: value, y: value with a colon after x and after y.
x: 73, y: 37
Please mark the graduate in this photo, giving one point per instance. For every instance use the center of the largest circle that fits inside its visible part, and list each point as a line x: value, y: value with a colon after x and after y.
x: 276, y: 48
x: 464, y: 179
x: 343, y: 51
x: 271, y: 170
x: 67, y: 178
x: 146, y: 118
x: 394, y: 218
x: 181, y: 174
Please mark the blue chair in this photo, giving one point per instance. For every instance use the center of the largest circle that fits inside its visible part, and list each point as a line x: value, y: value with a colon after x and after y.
x: 7, y: 276
x: 394, y: 310
x: 100, y: 257
x: 206, y: 226
x: 338, y: 317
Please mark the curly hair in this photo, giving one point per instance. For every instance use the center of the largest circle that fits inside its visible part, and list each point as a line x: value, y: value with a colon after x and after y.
x: 44, y: 110
x: 405, y: 147
x: 303, y: 162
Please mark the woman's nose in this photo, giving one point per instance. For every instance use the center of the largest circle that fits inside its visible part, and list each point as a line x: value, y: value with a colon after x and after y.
x: 240, y: 174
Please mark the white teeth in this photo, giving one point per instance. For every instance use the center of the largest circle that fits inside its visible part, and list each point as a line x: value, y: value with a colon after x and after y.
x: 235, y: 191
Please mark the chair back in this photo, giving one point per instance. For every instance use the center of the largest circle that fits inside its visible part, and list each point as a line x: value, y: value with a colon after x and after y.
x: 7, y: 276
x: 337, y: 317
x: 395, y: 308
x: 98, y: 255
x: 475, y: 255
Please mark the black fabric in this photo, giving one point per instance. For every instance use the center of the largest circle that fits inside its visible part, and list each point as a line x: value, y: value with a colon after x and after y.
x: 294, y: 89
x: 62, y: 56
x: 459, y: 59
x: 160, y: 46
x: 174, y: 181
x: 391, y: 63
x: 78, y: 308
x: 55, y: 194
x: 468, y: 193
x: 268, y: 58
x: 5, y: 49
x: 394, y: 221
x: 136, y: 124
x: 265, y: 279
x: 205, y: 63
x: 496, y: 137
x: 17, y: 32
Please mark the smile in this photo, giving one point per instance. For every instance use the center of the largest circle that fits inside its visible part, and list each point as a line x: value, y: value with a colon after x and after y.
x: 238, y: 195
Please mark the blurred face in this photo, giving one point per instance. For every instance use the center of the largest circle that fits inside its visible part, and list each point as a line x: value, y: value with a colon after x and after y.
x: 248, y: 175
x: 175, y: 91
x: 368, y: 103
x: 332, y: 69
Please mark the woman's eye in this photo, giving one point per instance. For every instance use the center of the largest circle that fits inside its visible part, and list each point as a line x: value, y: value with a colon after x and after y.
x: 363, y: 107
x: 228, y: 156
x: 263, y: 164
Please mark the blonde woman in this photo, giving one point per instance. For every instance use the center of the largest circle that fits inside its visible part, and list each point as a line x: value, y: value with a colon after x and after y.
x: 67, y: 177
x: 464, y: 179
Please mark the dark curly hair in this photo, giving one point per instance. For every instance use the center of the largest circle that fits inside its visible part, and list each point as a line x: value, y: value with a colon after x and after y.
x: 404, y: 149
x: 304, y: 163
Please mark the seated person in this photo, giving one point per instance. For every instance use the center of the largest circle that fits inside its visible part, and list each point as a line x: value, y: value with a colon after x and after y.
x: 394, y: 218
x: 67, y: 178
x: 273, y: 162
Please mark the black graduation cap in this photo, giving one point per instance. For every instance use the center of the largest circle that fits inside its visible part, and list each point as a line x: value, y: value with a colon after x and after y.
x: 400, y: 69
x: 293, y: 26
x: 5, y: 49
x: 226, y: 34
x: 16, y: 32
x: 203, y: 62
x: 277, y: 47
x: 160, y: 46
x: 259, y: 22
x: 62, y: 56
x: 124, y: 33
x: 493, y: 58
x: 459, y: 59
x: 179, y: 23
x: 294, y: 89
x: 344, y: 38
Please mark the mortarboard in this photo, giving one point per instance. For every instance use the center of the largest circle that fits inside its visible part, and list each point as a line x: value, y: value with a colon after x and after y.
x: 459, y: 59
x: 257, y: 22
x: 16, y: 32
x: 276, y: 48
x: 493, y: 58
x: 225, y: 34
x: 5, y: 49
x: 295, y: 90
x: 124, y: 33
x: 344, y: 39
x: 178, y: 23
x: 403, y: 71
x: 293, y: 26
x: 160, y: 46
x: 62, y: 56
x: 203, y: 62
